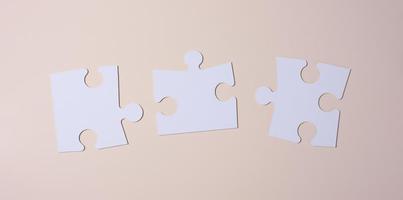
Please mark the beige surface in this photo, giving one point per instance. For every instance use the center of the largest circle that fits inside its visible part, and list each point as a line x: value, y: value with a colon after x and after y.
x: 42, y: 37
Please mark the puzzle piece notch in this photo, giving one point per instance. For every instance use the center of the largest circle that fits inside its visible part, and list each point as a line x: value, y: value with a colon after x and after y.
x: 264, y: 95
x: 194, y: 91
x: 193, y: 59
x: 78, y: 108
x: 132, y: 112
x: 296, y: 102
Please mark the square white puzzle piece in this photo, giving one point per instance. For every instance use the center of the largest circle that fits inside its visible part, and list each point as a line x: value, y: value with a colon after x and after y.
x: 78, y: 107
x: 194, y: 91
x: 296, y: 102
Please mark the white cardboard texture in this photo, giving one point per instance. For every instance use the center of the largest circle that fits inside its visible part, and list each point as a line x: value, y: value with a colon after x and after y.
x: 78, y: 107
x: 194, y: 91
x: 296, y: 101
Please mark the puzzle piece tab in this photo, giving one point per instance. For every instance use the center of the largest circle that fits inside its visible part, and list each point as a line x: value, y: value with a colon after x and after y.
x: 78, y: 107
x: 194, y: 91
x: 296, y: 102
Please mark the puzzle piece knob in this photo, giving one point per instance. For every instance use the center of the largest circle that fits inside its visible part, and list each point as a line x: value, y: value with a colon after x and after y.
x: 264, y: 95
x: 193, y: 59
x: 133, y: 112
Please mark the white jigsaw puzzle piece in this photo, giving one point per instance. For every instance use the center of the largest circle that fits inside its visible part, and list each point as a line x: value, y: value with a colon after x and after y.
x: 194, y: 91
x: 78, y: 107
x: 296, y: 102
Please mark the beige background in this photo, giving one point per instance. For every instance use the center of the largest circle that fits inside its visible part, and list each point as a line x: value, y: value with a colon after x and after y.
x: 38, y: 38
